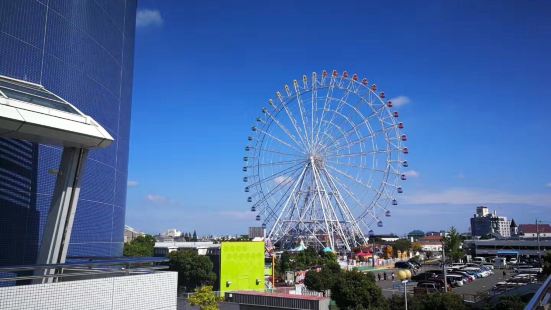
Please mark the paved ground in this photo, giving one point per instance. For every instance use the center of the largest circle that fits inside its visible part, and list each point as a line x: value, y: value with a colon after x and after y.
x: 481, y: 285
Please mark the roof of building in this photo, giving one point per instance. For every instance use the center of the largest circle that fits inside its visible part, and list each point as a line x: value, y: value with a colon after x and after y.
x: 513, y: 224
x: 533, y: 228
x: 280, y: 295
x: 174, y: 244
x: 431, y: 239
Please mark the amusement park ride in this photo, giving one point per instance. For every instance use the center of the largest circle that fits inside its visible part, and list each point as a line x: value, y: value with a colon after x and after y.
x: 324, y: 162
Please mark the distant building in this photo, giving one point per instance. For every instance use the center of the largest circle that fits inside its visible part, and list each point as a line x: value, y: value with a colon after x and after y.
x: 530, y: 231
x: 165, y: 248
x: 386, y: 238
x: 415, y: 235
x: 485, y: 223
x: 256, y: 232
x: 431, y: 243
x: 436, y: 233
x: 518, y: 246
x: 172, y: 233
x: 131, y: 233
x: 513, y: 228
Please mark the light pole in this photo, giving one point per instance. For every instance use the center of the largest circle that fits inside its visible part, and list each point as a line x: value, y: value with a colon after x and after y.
x: 371, y: 236
x: 405, y: 275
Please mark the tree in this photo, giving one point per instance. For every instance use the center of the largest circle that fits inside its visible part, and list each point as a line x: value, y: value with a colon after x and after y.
x: 142, y: 246
x: 356, y: 290
x: 319, y: 281
x: 447, y: 301
x: 402, y: 245
x: 193, y: 270
x: 510, y: 303
x: 324, y: 279
x: 452, y: 244
x: 194, y: 238
x: 205, y: 298
x: 547, y: 263
x: 416, y: 246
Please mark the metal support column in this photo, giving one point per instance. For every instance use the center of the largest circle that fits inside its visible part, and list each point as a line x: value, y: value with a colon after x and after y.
x: 57, y: 232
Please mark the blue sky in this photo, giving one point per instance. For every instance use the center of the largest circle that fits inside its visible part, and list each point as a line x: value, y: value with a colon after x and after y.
x: 476, y: 75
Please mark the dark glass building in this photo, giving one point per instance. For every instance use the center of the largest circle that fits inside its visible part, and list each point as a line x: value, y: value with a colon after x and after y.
x: 82, y: 51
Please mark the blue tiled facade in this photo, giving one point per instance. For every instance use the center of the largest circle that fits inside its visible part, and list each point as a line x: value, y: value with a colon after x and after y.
x: 83, y: 51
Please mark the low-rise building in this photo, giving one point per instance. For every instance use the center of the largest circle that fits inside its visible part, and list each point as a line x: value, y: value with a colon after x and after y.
x: 531, y: 231
x: 386, y: 238
x: 164, y: 248
x: 256, y: 232
x: 239, y: 266
x: 131, y: 233
x: 492, y: 247
x: 431, y: 243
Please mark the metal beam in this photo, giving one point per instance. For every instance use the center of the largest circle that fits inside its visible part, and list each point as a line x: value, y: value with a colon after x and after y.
x: 57, y: 233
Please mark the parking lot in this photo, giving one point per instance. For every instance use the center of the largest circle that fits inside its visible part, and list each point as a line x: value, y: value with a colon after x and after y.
x: 469, y: 290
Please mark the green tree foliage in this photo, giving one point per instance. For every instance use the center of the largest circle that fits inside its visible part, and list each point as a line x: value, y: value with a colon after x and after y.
x: 284, y: 263
x: 193, y: 270
x: 142, y: 246
x: 547, y: 263
x: 194, y: 238
x: 444, y: 301
x: 401, y: 245
x: 304, y: 260
x: 205, y: 299
x: 510, y: 303
x: 324, y: 279
x: 452, y: 244
x: 356, y: 290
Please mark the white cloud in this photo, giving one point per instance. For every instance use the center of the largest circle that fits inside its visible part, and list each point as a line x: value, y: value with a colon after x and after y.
x: 411, y: 174
x: 282, y: 179
x: 477, y: 197
x: 400, y: 101
x: 132, y: 183
x: 146, y: 18
x: 157, y: 199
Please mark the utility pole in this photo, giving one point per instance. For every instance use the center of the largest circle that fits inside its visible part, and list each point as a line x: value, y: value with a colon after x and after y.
x: 538, y: 236
x: 444, y: 271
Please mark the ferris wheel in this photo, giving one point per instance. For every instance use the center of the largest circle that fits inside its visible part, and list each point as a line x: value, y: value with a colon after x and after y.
x: 323, y: 162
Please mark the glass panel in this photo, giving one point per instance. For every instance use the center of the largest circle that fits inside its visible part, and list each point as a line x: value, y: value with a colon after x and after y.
x: 45, y: 102
x: 27, y: 89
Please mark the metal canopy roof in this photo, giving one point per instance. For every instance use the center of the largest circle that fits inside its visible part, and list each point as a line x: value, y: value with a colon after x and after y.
x: 30, y: 112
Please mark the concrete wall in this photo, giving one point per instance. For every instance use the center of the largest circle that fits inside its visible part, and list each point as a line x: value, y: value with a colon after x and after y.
x: 147, y: 292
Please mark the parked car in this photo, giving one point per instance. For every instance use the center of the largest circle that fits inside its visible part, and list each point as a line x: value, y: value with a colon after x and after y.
x: 437, y: 284
x: 455, y: 280
x: 467, y: 278
x: 500, y: 262
x: 480, y: 272
x: 416, y: 264
x: 403, y: 265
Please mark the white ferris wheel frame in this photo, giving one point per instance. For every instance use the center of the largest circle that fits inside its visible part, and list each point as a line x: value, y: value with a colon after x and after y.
x: 318, y: 197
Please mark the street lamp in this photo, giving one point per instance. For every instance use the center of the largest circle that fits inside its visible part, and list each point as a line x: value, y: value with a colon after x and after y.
x: 405, y: 275
x: 371, y: 236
